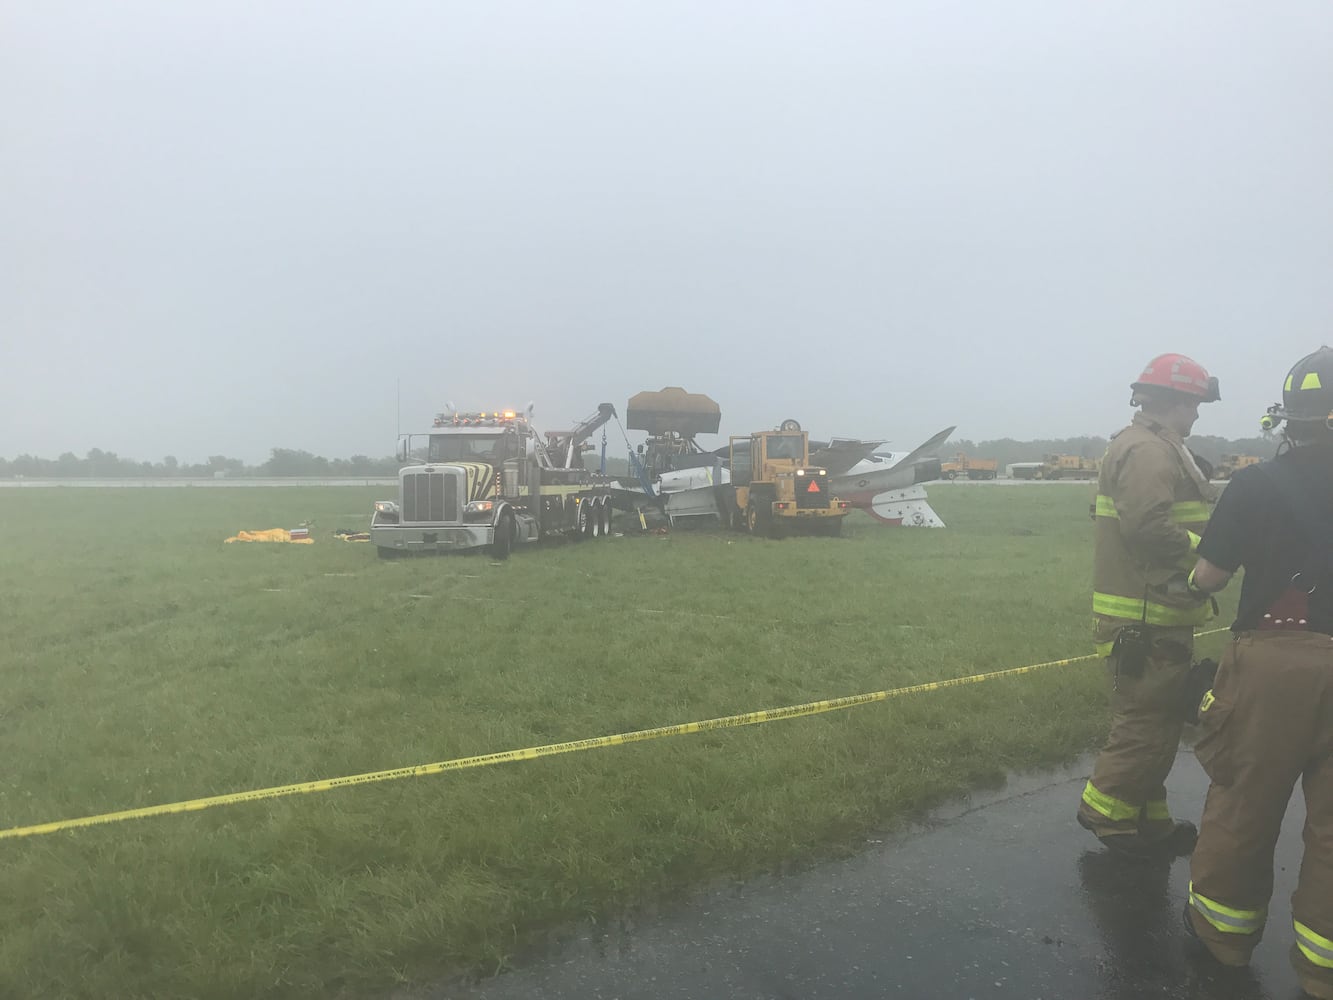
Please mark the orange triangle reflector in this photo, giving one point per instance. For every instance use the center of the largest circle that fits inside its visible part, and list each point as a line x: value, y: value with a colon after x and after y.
x: 813, y: 487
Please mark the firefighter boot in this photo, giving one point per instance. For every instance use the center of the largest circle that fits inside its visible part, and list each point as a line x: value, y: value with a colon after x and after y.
x: 1317, y: 990
x: 1177, y: 842
x: 1230, y: 959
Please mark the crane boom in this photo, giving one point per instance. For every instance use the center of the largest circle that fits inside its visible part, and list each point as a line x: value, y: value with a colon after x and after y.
x: 567, y: 442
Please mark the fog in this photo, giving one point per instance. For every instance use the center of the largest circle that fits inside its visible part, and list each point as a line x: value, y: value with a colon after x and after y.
x: 228, y: 227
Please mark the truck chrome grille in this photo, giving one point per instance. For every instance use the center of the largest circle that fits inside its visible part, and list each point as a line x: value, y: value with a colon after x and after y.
x: 430, y: 497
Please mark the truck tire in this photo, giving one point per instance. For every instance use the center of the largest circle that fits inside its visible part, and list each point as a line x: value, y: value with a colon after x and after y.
x: 503, y: 544
x: 387, y: 553
x: 594, y: 518
x: 606, y: 512
x: 759, y: 516
x: 951, y: 475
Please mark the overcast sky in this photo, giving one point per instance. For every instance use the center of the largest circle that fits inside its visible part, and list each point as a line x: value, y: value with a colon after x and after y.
x: 230, y: 226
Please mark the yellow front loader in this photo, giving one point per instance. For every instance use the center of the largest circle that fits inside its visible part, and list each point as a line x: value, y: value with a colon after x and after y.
x: 776, y: 490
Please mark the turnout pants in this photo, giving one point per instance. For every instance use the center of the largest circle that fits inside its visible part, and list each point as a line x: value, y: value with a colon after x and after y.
x: 1270, y: 723
x: 1127, y: 791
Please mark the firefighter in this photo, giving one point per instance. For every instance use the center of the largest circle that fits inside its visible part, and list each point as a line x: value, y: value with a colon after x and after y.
x: 1152, y: 503
x: 1269, y: 718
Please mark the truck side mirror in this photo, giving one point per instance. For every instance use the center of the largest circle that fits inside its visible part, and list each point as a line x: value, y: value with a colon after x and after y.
x: 402, y: 450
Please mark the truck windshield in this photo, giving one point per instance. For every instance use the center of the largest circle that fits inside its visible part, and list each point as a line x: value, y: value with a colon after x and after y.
x: 466, y: 448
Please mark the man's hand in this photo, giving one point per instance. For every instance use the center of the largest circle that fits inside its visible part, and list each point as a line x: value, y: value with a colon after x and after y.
x: 1206, y: 579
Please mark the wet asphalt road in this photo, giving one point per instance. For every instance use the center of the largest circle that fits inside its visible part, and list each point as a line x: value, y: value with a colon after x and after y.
x: 1002, y: 896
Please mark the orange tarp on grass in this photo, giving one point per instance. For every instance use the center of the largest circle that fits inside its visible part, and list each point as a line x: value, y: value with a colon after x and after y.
x: 269, y: 535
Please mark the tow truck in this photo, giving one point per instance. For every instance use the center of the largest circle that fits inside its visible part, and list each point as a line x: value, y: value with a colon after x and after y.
x: 489, y: 481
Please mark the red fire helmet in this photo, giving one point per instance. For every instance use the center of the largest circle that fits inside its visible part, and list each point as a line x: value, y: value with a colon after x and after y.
x: 1179, y: 374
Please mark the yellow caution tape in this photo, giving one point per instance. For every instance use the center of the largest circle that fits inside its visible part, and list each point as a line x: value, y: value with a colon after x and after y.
x: 532, y: 753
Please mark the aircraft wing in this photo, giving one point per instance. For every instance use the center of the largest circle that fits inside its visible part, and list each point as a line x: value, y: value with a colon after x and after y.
x: 840, y: 454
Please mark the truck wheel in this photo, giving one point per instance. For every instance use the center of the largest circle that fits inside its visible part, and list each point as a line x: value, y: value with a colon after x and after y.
x: 764, y: 525
x: 580, y: 529
x: 606, y: 513
x: 594, y: 515
x: 504, y: 539
x: 386, y: 553
x: 951, y: 475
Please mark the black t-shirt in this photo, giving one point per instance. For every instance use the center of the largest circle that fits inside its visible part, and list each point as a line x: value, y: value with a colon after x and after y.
x: 1255, y: 526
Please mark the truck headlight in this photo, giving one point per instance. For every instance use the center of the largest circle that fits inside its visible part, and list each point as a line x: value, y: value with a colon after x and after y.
x: 480, y: 507
x: 386, y: 507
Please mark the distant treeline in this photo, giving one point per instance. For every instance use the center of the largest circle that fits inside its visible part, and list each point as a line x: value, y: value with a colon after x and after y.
x: 99, y: 464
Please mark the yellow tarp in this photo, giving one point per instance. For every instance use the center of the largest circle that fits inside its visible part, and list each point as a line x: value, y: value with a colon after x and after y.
x: 269, y: 535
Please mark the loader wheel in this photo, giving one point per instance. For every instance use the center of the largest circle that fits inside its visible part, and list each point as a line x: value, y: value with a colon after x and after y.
x: 829, y: 527
x: 503, y: 543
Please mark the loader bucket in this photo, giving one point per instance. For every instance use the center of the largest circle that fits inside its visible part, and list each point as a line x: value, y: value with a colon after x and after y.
x: 673, y: 410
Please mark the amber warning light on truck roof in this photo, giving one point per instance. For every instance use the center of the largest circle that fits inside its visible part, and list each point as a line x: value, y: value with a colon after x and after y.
x: 484, y: 418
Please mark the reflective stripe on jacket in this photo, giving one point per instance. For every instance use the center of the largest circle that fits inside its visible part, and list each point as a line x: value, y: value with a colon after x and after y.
x: 1152, y: 505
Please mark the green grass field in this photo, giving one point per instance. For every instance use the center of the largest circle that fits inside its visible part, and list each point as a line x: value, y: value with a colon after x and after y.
x: 146, y: 662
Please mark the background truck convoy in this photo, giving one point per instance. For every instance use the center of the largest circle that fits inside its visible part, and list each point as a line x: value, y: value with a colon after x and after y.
x: 972, y: 468
x: 490, y: 481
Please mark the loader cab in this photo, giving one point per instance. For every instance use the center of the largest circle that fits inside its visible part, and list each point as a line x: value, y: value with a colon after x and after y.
x: 788, y: 449
x: 765, y: 455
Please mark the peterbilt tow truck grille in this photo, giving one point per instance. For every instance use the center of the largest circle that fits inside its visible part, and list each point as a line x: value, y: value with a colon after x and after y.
x: 431, y: 497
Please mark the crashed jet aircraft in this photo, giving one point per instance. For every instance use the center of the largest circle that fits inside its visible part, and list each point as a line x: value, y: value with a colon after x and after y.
x: 682, y: 480
x: 888, y: 486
